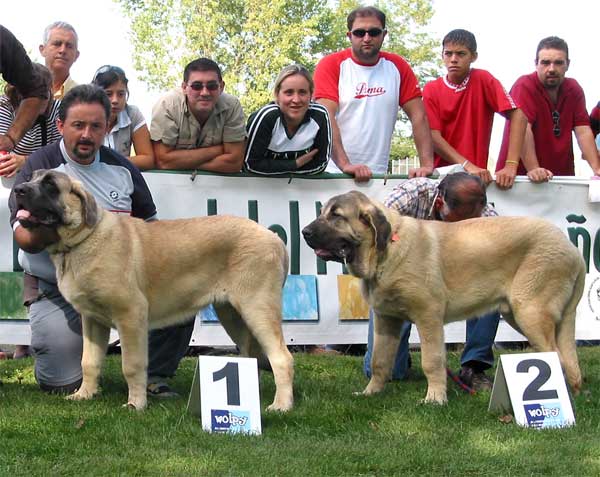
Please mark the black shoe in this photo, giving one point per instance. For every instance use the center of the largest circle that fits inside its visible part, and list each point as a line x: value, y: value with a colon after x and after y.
x: 476, y: 381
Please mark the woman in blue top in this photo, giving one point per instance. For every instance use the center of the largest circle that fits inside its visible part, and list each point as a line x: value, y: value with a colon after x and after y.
x: 291, y: 135
x: 126, y: 124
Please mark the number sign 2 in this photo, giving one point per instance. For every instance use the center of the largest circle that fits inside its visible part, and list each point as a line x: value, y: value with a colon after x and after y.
x: 532, y: 385
x: 225, y: 394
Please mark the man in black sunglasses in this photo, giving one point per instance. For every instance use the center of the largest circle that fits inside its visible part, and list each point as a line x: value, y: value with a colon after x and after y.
x: 198, y: 126
x: 555, y: 107
x: 362, y: 88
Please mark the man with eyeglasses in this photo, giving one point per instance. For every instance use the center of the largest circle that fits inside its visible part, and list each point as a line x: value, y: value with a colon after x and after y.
x: 362, y: 88
x: 199, y: 126
x: 554, y: 106
x: 59, y: 49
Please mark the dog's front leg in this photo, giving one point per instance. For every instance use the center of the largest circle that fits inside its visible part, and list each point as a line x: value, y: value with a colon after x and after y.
x: 386, y: 338
x: 134, y: 356
x: 95, y: 342
x: 433, y: 359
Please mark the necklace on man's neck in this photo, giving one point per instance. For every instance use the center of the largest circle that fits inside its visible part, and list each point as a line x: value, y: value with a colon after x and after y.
x: 458, y: 87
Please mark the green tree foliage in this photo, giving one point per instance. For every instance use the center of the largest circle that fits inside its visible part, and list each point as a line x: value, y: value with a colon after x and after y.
x: 253, y: 39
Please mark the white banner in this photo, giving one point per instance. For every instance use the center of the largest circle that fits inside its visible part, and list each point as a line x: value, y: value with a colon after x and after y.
x: 286, y: 206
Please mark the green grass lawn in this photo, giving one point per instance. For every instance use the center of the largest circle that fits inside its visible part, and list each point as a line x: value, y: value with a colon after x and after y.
x: 329, y: 432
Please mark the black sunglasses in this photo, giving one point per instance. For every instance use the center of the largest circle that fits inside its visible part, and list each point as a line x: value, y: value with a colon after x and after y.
x: 373, y: 32
x: 106, y: 69
x: 556, y: 119
x: 199, y: 85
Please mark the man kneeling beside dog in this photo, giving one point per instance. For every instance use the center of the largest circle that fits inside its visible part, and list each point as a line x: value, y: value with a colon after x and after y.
x: 116, y: 270
x: 431, y: 272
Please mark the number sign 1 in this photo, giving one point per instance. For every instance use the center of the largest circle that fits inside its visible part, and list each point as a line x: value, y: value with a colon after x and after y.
x: 225, y: 394
x: 532, y: 385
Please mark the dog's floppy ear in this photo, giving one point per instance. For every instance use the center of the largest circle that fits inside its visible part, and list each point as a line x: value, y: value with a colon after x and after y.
x: 380, y: 225
x: 89, y: 206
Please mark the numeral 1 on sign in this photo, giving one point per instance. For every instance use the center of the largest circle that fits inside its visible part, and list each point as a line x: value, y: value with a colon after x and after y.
x: 231, y: 374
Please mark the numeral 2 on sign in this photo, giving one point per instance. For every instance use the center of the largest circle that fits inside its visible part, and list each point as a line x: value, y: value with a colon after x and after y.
x: 533, y: 392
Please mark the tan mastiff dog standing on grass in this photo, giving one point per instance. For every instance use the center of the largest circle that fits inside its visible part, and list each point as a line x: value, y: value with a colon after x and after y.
x: 433, y: 273
x: 123, y: 272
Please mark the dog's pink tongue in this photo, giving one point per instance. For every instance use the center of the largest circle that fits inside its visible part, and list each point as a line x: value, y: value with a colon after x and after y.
x: 321, y: 252
x: 23, y: 214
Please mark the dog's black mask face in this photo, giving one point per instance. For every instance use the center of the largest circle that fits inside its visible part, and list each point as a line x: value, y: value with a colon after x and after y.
x: 38, y: 201
x: 331, y: 235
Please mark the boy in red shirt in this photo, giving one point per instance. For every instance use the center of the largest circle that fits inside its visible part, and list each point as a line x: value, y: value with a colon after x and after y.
x: 460, y: 108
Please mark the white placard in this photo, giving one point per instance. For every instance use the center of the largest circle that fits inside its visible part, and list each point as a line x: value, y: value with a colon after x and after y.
x: 533, y: 386
x: 225, y: 394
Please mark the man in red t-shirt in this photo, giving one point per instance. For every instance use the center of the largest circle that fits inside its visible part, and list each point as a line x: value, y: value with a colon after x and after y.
x: 460, y: 108
x: 554, y: 106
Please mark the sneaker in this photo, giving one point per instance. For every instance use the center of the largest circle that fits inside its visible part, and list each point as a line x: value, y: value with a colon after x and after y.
x: 476, y: 381
x: 161, y: 390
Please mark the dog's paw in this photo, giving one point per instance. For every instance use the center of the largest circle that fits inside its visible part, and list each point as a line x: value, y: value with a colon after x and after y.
x: 132, y: 407
x: 81, y: 394
x: 136, y: 404
x: 438, y: 398
x: 280, y: 407
x: 372, y: 388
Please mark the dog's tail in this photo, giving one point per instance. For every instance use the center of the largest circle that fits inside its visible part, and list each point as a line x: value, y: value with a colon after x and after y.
x: 565, y: 333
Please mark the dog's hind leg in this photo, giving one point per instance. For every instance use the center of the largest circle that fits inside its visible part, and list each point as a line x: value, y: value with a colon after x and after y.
x: 262, y: 325
x: 565, y: 337
x: 95, y: 343
x: 237, y: 330
x: 386, y: 338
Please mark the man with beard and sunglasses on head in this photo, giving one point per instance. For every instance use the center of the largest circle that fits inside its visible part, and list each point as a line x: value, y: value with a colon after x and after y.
x: 198, y: 126
x: 555, y: 107
x: 362, y: 88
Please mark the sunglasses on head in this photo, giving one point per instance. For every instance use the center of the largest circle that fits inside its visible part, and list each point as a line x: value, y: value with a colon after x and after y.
x: 556, y: 119
x: 361, y: 32
x: 199, y: 85
x: 106, y: 69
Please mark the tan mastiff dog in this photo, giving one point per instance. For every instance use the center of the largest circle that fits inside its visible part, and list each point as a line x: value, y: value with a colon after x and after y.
x: 133, y: 275
x: 432, y: 273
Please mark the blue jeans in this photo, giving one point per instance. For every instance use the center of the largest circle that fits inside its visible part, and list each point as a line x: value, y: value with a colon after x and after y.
x: 481, y: 333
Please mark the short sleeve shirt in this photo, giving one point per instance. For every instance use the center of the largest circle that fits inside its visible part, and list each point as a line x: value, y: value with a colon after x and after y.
x: 116, y: 184
x: 120, y: 137
x: 368, y: 98
x: 174, y: 125
x: 554, y: 152
x: 464, y: 114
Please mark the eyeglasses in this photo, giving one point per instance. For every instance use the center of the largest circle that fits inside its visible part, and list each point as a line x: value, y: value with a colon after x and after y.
x: 199, y: 85
x: 106, y: 69
x: 556, y: 119
x: 373, y: 32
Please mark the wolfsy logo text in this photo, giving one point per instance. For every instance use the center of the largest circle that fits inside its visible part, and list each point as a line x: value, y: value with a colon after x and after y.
x: 544, y: 415
x: 230, y: 421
